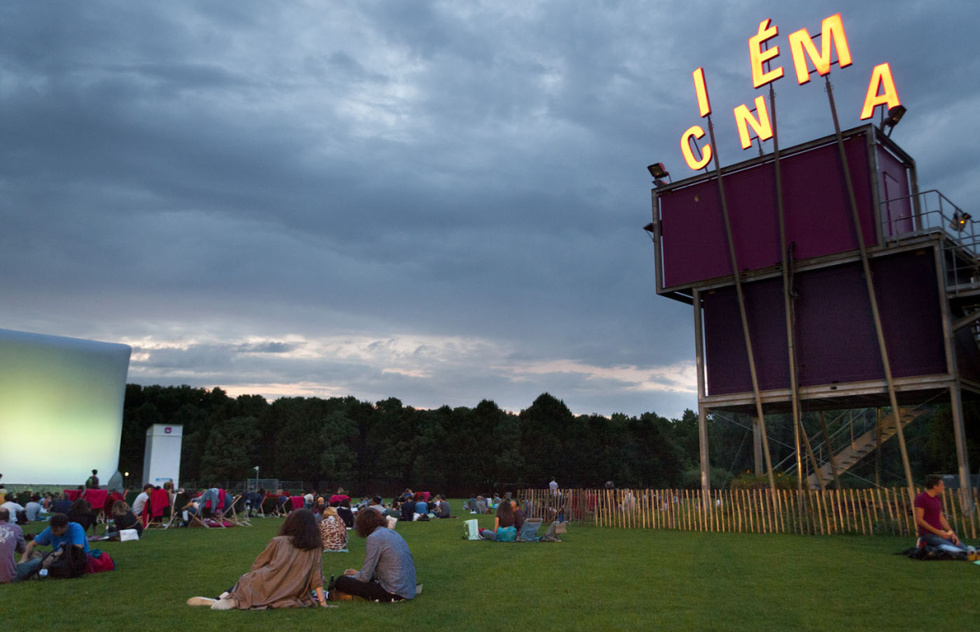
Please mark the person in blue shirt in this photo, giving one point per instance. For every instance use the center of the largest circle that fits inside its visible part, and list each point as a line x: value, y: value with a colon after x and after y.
x: 59, y: 531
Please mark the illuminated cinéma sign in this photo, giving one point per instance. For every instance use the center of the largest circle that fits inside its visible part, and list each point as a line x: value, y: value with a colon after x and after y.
x: 881, y: 88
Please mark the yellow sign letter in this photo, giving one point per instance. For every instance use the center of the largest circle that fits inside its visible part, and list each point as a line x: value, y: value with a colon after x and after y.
x: 704, y: 105
x: 757, y: 56
x: 762, y: 127
x: 881, y: 77
x: 689, y: 158
x: 831, y: 34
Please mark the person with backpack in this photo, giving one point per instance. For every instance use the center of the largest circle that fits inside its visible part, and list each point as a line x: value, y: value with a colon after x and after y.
x: 59, y: 531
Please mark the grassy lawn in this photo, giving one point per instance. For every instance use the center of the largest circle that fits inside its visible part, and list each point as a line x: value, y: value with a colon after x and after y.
x: 596, y: 579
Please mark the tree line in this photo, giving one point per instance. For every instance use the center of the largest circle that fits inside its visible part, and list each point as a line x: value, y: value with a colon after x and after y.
x: 387, y: 446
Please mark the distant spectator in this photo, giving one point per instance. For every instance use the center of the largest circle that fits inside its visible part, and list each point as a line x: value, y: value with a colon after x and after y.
x: 518, y: 515
x: 140, y: 503
x: 345, y: 513
x: 93, y: 481
x: 15, y: 509
x: 124, y: 518
x: 503, y: 525
x: 481, y: 505
x: 408, y: 510
x: 81, y: 513
x: 33, y: 508
x: 441, y: 508
x: 333, y: 530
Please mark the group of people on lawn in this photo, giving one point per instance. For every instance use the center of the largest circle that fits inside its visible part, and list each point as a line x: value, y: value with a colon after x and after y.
x: 288, y: 572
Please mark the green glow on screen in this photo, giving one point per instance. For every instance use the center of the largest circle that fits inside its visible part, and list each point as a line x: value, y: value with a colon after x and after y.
x: 61, y: 402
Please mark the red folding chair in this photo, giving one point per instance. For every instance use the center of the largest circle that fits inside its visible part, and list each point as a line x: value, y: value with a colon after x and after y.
x: 155, y: 509
x: 97, y: 498
x: 297, y: 502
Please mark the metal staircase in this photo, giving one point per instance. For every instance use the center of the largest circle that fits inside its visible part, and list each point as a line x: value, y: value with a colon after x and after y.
x: 859, y: 447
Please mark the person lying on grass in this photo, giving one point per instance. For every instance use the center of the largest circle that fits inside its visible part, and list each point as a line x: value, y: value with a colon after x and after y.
x: 388, y: 573
x: 284, y: 575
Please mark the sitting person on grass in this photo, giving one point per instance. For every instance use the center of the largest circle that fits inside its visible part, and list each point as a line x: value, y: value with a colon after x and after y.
x: 934, y: 530
x: 441, y: 508
x: 285, y: 575
x: 388, y: 573
x: 59, y: 531
x: 81, y: 512
x: 333, y: 530
x: 504, y: 529
x: 11, y: 541
x: 33, y: 508
x: 123, y: 518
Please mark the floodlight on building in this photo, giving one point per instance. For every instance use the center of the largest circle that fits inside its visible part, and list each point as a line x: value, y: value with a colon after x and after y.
x: 659, y: 172
x: 895, y: 115
x: 959, y: 221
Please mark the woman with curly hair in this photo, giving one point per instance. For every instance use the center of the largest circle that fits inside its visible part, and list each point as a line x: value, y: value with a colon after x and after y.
x: 284, y: 575
x: 388, y: 573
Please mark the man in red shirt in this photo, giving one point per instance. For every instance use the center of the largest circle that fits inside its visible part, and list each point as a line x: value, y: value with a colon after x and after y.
x: 934, y: 530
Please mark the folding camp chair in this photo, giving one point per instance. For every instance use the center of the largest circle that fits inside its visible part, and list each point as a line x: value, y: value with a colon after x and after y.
x: 271, y: 506
x: 155, y: 509
x: 529, y: 531
x: 296, y: 502
x: 97, y: 498
x: 180, y: 501
x: 237, y: 513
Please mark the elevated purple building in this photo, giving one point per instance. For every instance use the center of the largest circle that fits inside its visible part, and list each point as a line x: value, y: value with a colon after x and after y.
x: 800, y: 329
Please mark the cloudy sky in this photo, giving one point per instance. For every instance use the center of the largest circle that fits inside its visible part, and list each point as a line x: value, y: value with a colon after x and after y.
x: 435, y: 201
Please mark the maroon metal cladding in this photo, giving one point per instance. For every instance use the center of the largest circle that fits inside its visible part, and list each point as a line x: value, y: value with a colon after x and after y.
x: 818, y: 216
x: 835, y: 335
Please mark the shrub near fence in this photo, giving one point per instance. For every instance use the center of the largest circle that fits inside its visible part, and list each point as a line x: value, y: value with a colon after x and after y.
x: 880, y: 511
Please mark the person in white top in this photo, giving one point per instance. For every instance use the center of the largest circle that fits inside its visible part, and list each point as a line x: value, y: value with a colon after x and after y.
x: 142, y: 499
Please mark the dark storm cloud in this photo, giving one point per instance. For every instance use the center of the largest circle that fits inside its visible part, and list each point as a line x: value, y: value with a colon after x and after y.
x: 439, y: 202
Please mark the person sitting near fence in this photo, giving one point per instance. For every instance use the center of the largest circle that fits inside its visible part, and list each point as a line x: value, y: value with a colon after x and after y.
x: 518, y: 514
x: 287, y: 574
x: 59, y: 531
x: 934, y: 530
x: 504, y: 529
x: 388, y: 573
x: 333, y: 530
x: 123, y: 518
x: 11, y: 542
x: 81, y: 513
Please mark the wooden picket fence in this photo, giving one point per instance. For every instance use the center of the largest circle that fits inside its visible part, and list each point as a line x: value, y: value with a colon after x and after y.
x: 881, y: 511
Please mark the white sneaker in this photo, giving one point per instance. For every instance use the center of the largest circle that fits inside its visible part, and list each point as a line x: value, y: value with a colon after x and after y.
x: 225, y: 604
